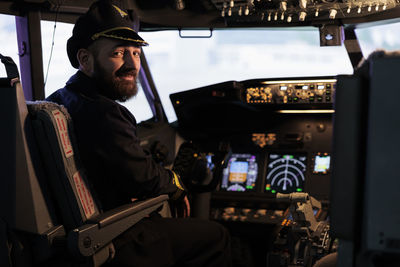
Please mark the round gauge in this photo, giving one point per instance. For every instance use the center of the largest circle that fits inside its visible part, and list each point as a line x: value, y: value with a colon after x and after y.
x: 286, y: 173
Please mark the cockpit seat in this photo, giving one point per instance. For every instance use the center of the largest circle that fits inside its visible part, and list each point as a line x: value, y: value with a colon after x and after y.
x: 48, y: 209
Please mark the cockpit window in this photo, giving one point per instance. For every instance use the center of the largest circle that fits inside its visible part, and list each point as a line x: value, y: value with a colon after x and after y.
x: 379, y: 37
x: 8, y: 36
x: 179, y: 64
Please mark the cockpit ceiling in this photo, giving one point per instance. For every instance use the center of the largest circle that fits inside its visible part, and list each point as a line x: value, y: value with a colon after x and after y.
x: 173, y: 14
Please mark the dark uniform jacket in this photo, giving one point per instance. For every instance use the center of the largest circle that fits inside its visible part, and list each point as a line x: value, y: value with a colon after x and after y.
x: 118, y: 168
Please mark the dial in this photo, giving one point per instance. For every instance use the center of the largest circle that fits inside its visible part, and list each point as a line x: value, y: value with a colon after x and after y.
x: 286, y: 173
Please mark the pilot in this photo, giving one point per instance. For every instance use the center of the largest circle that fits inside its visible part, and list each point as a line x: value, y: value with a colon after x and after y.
x: 106, y: 49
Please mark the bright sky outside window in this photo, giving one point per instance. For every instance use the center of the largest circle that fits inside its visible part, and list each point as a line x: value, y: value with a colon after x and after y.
x: 8, y: 36
x: 180, y: 64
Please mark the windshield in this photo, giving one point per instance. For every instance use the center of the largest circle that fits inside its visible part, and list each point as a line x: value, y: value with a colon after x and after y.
x: 379, y: 37
x: 179, y: 64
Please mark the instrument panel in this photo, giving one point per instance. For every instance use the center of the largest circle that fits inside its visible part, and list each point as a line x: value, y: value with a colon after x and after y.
x: 273, y: 172
x: 291, y: 91
x: 280, y: 135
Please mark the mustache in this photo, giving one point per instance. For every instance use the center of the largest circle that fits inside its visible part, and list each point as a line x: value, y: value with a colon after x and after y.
x: 126, y: 71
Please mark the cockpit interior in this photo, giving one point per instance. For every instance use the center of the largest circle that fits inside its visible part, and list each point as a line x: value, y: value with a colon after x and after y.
x: 299, y: 165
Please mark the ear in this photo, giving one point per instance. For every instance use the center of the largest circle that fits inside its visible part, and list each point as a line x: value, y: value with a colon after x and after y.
x: 85, y: 59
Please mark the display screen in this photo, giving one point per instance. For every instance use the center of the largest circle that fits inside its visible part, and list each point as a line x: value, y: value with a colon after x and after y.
x: 286, y: 173
x: 240, y: 174
x: 322, y: 163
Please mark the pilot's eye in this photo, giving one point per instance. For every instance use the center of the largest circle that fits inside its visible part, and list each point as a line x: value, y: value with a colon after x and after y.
x: 118, y: 53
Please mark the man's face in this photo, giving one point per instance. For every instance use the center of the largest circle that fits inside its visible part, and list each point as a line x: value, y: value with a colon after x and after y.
x: 116, y: 66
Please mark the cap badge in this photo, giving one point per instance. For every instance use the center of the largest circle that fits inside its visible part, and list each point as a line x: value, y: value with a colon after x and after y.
x: 120, y: 11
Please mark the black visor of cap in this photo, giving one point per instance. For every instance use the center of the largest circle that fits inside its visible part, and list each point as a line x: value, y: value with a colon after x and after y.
x: 103, y: 19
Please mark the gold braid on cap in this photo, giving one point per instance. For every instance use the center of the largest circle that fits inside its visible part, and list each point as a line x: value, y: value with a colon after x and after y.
x: 104, y: 34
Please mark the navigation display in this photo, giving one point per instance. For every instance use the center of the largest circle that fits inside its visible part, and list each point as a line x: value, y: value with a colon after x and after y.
x: 240, y: 174
x: 286, y: 173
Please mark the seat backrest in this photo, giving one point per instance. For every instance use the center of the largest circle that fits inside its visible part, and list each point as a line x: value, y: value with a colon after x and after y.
x: 38, y: 157
x: 53, y: 131
x: 45, y: 198
x: 365, y: 177
x: 23, y: 202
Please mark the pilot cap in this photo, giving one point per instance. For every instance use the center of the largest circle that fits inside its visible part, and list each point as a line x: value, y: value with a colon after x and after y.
x: 105, y: 18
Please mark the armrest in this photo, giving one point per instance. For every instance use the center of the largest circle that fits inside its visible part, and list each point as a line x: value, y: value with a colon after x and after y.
x: 91, y: 237
x: 121, y: 212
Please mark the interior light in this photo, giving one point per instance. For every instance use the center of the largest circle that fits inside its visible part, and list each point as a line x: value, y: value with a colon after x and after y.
x: 289, y: 18
x: 369, y: 8
x: 302, y: 16
x: 303, y: 4
x: 348, y: 10
x: 246, y: 11
x: 300, y: 81
x: 179, y: 4
x: 317, y: 12
x: 359, y: 10
x: 240, y: 12
x: 276, y: 16
x: 283, y: 5
x: 283, y: 16
x: 231, y: 3
x: 377, y: 7
x: 384, y: 6
x: 230, y: 12
x: 269, y: 17
x: 223, y: 13
x: 332, y: 13
x: 306, y: 111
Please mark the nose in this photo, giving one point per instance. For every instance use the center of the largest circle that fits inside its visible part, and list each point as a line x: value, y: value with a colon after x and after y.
x: 131, y: 60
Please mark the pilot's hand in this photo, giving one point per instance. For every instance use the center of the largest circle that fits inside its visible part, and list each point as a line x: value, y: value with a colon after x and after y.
x: 186, y: 207
x: 191, y: 165
x: 181, y: 208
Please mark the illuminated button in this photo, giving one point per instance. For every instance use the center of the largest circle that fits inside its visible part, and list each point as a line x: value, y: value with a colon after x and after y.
x: 328, y: 92
x: 262, y: 212
x: 312, y: 99
x: 295, y: 99
x: 319, y: 98
x: 246, y: 211
x: 226, y: 217
x: 312, y: 86
x: 229, y: 210
x: 289, y: 99
x: 328, y: 86
x: 328, y: 98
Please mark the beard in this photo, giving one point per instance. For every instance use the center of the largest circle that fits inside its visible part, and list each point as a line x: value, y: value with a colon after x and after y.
x: 113, y: 88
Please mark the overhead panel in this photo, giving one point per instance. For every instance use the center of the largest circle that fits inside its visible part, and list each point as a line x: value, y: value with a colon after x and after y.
x: 285, y: 12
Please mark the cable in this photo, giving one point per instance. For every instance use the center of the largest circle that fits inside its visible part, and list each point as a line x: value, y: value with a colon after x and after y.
x: 52, y: 43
